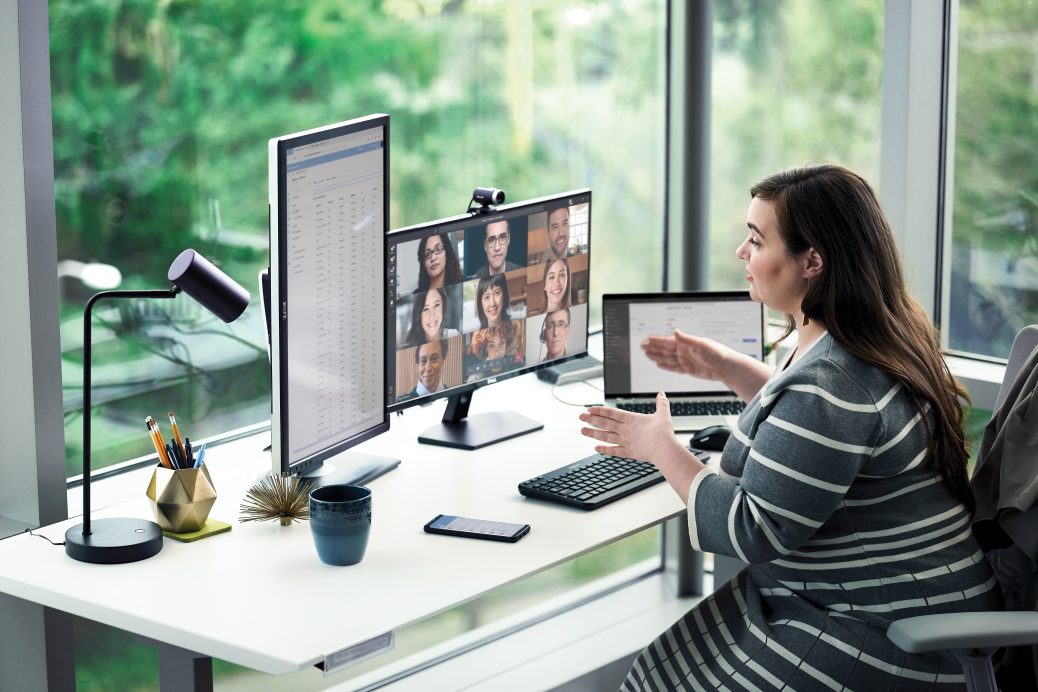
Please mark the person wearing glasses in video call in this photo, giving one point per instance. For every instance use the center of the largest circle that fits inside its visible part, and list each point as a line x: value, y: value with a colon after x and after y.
x: 496, y: 246
x: 558, y: 237
x: 555, y: 333
x: 437, y: 263
x: 429, y: 358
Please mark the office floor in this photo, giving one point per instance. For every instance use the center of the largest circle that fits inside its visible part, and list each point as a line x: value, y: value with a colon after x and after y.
x: 110, y: 659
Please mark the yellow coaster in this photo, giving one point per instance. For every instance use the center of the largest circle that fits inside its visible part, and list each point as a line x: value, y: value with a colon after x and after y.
x: 210, y: 528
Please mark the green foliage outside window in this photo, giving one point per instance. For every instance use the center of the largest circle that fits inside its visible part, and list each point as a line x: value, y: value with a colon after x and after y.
x: 162, y: 112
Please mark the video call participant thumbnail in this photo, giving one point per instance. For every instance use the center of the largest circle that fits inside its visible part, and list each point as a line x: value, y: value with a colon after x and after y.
x: 438, y: 264
x: 558, y: 236
x: 428, y: 314
x: 556, y: 334
x: 495, y: 350
x: 498, y: 242
x: 492, y: 301
x: 430, y: 363
x: 552, y: 291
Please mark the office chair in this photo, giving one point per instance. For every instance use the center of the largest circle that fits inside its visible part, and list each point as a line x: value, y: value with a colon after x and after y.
x: 974, y: 637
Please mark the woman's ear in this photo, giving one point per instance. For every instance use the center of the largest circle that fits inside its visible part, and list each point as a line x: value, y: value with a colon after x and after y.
x: 811, y: 263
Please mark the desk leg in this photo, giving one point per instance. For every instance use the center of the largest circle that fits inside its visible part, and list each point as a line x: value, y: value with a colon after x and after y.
x: 181, y: 670
x: 35, y: 647
x: 680, y: 559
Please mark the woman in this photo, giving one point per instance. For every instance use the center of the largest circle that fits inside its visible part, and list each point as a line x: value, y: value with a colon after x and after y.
x: 556, y: 285
x: 494, y: 344
x: 438, y: 264
x: 845, y: 485
x: 427, y: 319
x: 492, y: 301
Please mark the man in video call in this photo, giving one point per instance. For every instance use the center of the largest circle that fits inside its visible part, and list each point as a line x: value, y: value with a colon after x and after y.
x: 556, y: 332
x: 558, y: 237
x: 429, y: 358
x: 496, y: 246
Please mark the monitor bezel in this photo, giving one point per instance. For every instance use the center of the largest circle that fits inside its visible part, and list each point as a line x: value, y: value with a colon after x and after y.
x: 678, y: 297
x: 278, y: 150
x: 474, y: 219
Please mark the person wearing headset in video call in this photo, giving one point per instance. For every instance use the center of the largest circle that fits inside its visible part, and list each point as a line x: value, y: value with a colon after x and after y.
x: 496, y: 246
x: 556, y: 285
x: 554, y: 333
x: 437, y: 263
x: 429, y: 358
x: 492, y: 301
x: 427, y: 319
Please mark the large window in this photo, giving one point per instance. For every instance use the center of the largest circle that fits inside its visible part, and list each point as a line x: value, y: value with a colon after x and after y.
x: 162, y: 112
x: 994, y: 253
x: 794, y: 82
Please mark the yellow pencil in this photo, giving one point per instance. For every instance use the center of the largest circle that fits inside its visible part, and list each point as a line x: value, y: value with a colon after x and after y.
x: 149, y: 421
x: 176, y: 435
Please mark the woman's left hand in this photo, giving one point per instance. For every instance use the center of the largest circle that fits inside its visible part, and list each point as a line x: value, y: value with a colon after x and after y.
x: 645, y: 437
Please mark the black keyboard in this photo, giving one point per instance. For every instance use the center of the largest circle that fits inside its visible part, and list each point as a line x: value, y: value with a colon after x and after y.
x: 595, y: 481
x: 725, y: 407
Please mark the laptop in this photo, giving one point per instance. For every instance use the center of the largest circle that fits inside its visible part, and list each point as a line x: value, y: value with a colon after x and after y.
x: 632, y: 380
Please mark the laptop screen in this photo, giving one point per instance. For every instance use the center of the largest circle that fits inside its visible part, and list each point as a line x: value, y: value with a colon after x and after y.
x: 729, y: 317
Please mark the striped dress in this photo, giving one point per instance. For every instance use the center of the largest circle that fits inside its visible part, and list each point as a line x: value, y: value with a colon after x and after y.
x: 824, y: 490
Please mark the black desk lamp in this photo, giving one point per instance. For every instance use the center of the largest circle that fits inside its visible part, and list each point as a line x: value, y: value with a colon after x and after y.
x: 115, y: 541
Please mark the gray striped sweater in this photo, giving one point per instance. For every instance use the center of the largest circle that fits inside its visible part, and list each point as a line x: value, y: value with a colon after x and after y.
x: 824, y: 489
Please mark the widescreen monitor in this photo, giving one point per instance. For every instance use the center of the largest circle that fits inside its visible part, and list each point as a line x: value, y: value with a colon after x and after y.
x: 473, y: 300
x: 329, y: 195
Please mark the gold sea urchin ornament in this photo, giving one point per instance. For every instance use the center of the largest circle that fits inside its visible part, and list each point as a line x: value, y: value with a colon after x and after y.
x: 277, y: 497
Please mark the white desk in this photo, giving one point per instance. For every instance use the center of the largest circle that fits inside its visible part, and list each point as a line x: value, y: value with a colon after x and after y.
x: 260, y: 597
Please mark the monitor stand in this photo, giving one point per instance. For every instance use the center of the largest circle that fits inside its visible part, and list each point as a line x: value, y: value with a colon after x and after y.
x: 348, y: 468
x: 460, y: 431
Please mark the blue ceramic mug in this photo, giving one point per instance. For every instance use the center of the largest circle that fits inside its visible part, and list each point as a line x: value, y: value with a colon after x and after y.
x: 340, y: 521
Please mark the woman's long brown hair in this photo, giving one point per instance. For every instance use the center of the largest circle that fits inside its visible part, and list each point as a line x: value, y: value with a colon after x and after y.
x: 861, y: 298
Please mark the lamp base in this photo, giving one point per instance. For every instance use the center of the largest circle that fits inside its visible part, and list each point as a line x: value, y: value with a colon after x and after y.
x: 114, y: 541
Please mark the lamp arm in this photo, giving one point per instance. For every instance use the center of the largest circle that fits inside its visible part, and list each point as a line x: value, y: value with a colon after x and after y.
x: 171, y: 293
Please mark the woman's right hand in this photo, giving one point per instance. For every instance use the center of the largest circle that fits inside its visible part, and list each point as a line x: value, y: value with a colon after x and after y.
x: 691, y: 355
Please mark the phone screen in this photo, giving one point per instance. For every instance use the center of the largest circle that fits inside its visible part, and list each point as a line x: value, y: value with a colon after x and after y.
x: 494, y: 528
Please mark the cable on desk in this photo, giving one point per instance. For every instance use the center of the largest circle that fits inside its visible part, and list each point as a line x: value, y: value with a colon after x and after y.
x: 29, y: 531
x: 569, y: 403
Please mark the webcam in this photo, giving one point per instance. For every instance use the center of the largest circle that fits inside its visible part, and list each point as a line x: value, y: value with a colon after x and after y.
x: 485, y: 197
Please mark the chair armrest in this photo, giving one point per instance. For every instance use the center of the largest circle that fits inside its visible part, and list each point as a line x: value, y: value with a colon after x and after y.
x: 964, y: 631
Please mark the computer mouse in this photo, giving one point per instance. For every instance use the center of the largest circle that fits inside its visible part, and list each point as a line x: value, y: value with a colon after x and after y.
x: 712, y: 438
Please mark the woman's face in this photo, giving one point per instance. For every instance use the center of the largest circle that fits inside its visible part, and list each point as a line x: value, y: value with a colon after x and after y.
x: 493, y: 304
x: 776, y: 279
x: 432, y: 316
x: 435, y: 257
x: 496, y: 346
x: 556, y: 282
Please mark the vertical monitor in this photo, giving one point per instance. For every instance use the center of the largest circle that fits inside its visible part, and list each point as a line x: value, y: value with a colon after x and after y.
x: 328, y: 220
x: 477, y: 299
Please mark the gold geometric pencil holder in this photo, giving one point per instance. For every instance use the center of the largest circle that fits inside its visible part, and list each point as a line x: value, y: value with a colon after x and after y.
x: 181, y: 499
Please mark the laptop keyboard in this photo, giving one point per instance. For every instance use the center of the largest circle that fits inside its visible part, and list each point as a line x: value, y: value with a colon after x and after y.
x: 724, y: 407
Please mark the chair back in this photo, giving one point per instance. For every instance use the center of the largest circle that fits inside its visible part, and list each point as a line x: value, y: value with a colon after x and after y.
x: 1006, y: 524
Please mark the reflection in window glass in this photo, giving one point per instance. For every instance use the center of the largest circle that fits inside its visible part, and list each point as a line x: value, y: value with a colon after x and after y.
x: 794, y: 82
x: 162, y: 112
x: 994, y: 268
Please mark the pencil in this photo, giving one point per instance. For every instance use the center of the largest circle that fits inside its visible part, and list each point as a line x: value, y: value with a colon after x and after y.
x: 176, y: 434
x: 155, y: 440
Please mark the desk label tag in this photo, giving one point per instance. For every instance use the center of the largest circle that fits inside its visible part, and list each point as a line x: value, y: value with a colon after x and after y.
x: 358, y: 653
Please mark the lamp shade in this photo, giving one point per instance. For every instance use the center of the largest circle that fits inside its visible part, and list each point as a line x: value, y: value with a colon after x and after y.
x: 203, y: 281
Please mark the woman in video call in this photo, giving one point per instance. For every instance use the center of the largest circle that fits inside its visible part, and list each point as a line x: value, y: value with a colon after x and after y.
x: 556, y: 285
x: 492, y: 301
x: 494, y: 344
x: 438, y: 265
x: 427, y: 319
x: 845, y: 484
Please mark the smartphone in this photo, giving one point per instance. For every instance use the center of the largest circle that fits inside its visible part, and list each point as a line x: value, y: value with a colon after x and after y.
x: 477, y: 528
